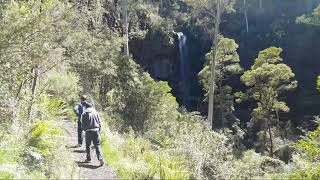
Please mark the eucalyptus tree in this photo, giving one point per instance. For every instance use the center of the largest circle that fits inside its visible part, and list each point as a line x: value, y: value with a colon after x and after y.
x: 245, y: 8
x: 227, y: 64
x: 124, y: 7
x: 267, y: 80
x: 32, y: 37
x: 209, y: 12
x: 260, y: 4
x: 130, y: 18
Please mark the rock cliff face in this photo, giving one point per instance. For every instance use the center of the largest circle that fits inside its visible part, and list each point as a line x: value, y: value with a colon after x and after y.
x: 163, y: 56
x: 271, y: 24
x: 158, y: 54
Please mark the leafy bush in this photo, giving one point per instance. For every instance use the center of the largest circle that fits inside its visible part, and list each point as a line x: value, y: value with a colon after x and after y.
x: 310, y: 173
x: 188, y: 147
x: 43, y: 137
x: 61, y: 88
x: 51, y: 108
x: 137, y: 100
x: 62, y: 84
x: 254, y: 166
x: 310, y: 145
x: 309, y: 148
x: 6, y: 175
x: 136, y: 158
x: 12, y: 146
x: 46, y: 155
x: 305, y: 163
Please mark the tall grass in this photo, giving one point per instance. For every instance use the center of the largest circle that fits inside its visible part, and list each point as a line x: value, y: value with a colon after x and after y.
x: 37, y: 151
x: 136, y: 158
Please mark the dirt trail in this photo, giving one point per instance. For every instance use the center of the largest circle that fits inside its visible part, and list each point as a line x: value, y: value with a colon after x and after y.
x: 86, y: 170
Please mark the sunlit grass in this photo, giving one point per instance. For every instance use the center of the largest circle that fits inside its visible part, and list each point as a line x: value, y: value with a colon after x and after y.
x: 6, y: 175
x: 135, y: 159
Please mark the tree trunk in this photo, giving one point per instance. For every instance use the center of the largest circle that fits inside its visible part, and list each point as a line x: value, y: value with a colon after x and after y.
x: 246, y: 15
x: 213, y: 67
x: 260, y: 4
x: 125, y: 26
x: 264, y: 140
x: 221, y: 104
x: 271, y: 140
x: 33, y: 92
x: 161, y: 6
x: 20, y: 88
x: 278, y: 122
x: 102, y: 92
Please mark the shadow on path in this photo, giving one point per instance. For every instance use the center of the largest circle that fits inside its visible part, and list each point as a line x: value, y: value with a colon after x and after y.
x: 86, y: 165
x: 72, y: 146
x: 79, y: 151
x: 91, y: 170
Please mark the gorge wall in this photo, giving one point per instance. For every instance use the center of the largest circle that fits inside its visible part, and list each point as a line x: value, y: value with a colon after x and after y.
x: 271, y: 23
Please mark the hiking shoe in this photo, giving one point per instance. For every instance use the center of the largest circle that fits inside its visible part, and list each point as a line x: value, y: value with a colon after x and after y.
x: 87, y: 161
x: 78, y: 145
x: 101, y: 162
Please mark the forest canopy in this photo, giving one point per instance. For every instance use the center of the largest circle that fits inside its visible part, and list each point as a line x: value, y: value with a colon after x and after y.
x: 187, y: 89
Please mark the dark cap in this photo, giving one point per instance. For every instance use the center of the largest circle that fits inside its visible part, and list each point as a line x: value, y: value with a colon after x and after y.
x: 83, y: 97
x: 87, y: 104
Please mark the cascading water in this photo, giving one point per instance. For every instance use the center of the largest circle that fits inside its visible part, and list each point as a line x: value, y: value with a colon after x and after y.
x: 184, y: 67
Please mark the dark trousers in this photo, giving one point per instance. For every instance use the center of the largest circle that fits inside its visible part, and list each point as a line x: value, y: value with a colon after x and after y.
x: 93, y: 136
x: 80, y: 136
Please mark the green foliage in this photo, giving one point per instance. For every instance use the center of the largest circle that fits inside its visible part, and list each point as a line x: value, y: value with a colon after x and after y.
x: 43, y: 137
x: 183, y: 145
x: 165, y: 166
x: 313, y: 19
x: 34, y: 152
x: 135, y: 158
x: 6, y: 175
x: 268, y: 72
x: 254, y: 166
x: 310, y: 145
x: 166, y: 142
x: 138, y: 102
x: 318, y: 82
x: 12, y: 146
x: 138, y: 99
x: 62, y: 84
x: 52, y: 107
x: 267, y: 80
x: 30, y: 41
x: 311, y: 173
x: 45, y: 152
x: 305, y: 163
x: 203, y: 12
x: 208, y: 154
x: 56, y: 91
x: 227, y: 65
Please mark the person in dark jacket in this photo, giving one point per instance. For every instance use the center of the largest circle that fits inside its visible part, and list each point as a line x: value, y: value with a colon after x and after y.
x: 91, y: 124
x: 79, y: 109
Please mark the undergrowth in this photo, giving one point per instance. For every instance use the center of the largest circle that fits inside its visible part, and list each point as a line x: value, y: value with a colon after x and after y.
x: 37, y: 151
x: 137, y: 158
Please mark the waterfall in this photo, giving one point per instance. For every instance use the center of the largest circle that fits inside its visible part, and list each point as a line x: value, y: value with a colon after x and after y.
x: 184, y: 67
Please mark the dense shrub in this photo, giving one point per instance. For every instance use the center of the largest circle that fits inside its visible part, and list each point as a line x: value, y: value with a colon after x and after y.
x: 136, y: 158
x: 36, y: 151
